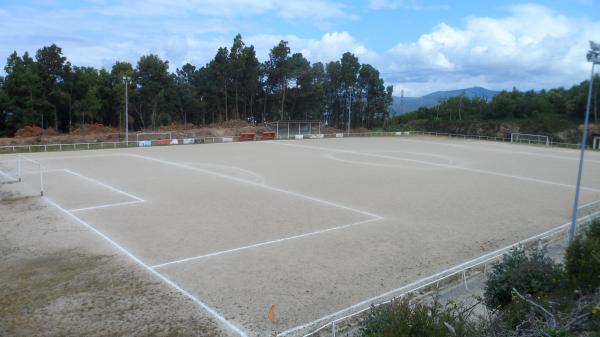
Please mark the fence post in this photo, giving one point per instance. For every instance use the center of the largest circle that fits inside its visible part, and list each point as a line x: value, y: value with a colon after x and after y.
x: 19, y: 167
x: 333, y: 328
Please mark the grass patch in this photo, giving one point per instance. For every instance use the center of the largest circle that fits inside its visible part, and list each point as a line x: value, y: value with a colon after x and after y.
x: 70, y: 293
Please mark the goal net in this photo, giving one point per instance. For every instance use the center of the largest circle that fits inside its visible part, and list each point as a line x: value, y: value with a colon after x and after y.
x: 529, y: 139
x: 289, y: 129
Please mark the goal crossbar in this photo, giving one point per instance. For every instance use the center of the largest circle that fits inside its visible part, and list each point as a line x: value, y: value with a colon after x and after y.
x: 516, y: 137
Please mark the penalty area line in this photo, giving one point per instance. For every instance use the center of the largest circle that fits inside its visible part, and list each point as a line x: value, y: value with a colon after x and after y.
x: 184, y: 292
x: 105, y: 206
x: 104, y: 185
x: 256, y: 184
x: 194, y: 258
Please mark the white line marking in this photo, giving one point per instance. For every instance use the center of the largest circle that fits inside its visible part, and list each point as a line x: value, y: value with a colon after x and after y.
x: 104, y: 185
x: 466, y: 146
x: 257, y: 177
x: 41, y: 157
x: 152, y: 271
x: 43, y: 171
x: 8, y: 176
x: 461, y: 168
x: 265, y: 243
x: 435, y: 277
x: 105, y: 206
x: 267, y: 187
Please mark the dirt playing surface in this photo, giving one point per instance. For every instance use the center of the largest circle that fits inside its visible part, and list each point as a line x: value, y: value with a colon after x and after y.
x: 59, y: 279
x: 311, y: 226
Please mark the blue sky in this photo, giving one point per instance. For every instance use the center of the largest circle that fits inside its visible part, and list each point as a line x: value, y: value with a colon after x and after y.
x: 419, y: 46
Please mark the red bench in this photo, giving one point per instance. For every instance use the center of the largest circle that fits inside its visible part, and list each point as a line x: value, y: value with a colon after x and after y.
x: 267, y: 135
x: 161, y: 142
x: 247, y: 136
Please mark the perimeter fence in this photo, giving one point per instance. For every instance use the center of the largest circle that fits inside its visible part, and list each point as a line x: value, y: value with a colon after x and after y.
x: 190, y: 138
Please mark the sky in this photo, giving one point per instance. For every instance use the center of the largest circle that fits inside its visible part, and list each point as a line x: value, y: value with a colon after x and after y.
x: 418, y: 46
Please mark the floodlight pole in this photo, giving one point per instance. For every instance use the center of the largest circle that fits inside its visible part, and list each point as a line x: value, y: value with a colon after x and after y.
x: 126, y: 81
x: 594, y: 57
x: 349, y: 103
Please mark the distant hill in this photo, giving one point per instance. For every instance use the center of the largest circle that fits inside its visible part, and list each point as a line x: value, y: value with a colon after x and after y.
x: 430, y: 100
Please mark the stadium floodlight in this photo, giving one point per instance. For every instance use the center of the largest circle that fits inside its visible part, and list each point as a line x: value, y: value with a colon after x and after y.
x: 593, y: 56
x: 126, y: 81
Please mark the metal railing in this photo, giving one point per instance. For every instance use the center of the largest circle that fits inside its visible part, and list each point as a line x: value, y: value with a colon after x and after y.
x: 348, y: 318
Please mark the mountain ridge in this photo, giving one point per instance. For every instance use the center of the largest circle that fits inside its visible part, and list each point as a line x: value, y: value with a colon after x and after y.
x: 432, y: 99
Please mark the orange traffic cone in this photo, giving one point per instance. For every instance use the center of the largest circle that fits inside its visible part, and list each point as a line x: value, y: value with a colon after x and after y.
x: 271, y: 313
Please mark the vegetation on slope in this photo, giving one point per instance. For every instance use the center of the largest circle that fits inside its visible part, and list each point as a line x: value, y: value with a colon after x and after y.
x: 527, y: 295
x: 555, y: 113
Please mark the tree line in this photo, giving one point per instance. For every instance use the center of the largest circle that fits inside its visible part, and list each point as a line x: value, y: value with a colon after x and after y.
x: 545, y: 111
x: 46, y: 90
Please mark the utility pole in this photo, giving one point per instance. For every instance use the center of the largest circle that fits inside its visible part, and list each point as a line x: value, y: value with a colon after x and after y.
x: 402, y: 102
x: 126, y: 81
x: 593, y: 56
x: 349, y: 104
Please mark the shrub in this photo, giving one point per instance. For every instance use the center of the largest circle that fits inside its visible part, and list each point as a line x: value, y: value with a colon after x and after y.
x: 529, y: 272
x: 582, y: 259
x: 400, y: 319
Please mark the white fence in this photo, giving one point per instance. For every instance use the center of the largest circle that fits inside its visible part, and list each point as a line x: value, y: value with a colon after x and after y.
x: 203, y: 140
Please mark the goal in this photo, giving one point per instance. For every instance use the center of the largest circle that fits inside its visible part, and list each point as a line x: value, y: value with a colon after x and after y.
x: 24, y: 170
x: 529, y: 139
x: 292, y: 128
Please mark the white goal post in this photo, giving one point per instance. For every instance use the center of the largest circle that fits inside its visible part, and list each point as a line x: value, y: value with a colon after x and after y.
x: 152, y: 136
x: 291, y: 128
x: 516, y: 137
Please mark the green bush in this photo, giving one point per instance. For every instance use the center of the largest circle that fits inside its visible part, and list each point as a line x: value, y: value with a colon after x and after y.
x: 529, y: 272
x: 401, y: 319
x: 582, y: 260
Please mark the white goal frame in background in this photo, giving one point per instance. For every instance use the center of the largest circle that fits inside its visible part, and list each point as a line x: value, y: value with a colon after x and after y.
x: 21, y: 169
x: 289, y: 129
x: 167, y: 133
x: 516, y: 137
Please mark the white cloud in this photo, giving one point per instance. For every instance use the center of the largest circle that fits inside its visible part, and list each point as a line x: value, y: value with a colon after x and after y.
x: 385, y: 4
x: 315, y: 9
x: 404, y: 4
x: 329, y: 47
x: 532, y: 48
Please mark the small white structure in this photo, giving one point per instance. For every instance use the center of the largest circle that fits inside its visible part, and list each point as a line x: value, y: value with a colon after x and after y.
x: 596, y: 141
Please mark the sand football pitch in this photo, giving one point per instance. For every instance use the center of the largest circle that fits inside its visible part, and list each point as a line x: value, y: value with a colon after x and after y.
x: 311, y: 227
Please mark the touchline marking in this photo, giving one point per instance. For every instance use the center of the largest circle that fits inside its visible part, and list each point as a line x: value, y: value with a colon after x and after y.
x: 505, y: 175
x: 41, y: 157
x: 152, y: 270
x: 105, y: 206
x: 271, y: 188
x: 266, y: 243
x: 104, y: 185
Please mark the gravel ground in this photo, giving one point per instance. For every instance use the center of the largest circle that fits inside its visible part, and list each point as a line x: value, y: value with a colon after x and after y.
x: 59, y: 279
